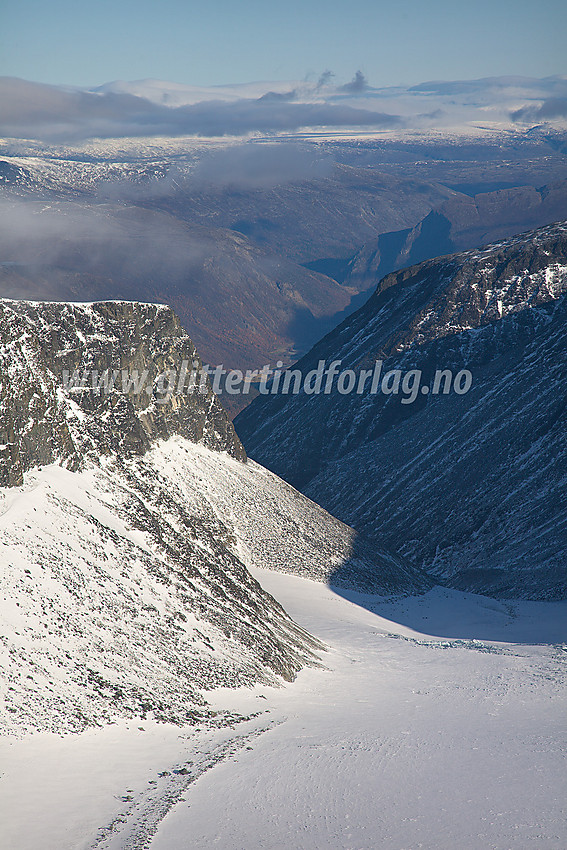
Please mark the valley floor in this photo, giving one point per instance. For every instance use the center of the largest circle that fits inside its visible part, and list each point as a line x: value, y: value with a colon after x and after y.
x: 438, y: 722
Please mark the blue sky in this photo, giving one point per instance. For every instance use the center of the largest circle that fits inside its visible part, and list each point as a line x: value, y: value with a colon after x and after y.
x: 217, y: 41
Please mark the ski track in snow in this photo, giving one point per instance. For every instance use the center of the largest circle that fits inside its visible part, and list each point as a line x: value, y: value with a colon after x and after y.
x: 445, y: 732
x: 133, y: 829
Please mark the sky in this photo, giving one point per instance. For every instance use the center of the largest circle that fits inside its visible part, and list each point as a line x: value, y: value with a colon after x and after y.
x: 223, y: 41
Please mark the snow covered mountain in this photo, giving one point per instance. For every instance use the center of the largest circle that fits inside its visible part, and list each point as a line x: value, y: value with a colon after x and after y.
x: 127, y: 523
x: 470, y: 486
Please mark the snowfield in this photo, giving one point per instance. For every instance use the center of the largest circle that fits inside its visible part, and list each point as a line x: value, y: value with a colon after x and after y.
x: 438, y: 722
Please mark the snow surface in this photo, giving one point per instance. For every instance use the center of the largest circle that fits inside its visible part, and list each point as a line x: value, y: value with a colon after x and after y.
x: 119, y: 590
x: 123, y: 585
x: 438, y: 722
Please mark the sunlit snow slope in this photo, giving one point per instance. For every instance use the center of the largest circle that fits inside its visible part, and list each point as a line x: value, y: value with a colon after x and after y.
x: 437, y: 722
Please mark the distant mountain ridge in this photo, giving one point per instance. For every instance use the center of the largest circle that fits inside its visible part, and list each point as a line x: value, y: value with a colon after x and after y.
x: 224, y: 257
x: 459, y: 223
x: 242, y: 305
x: 238, y: 240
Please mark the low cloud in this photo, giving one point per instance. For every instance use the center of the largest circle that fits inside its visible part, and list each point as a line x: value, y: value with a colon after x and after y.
x: 251, y: 165
x: 66, y: 236
x: 260, y: 166
x: 358, y: 84
x: 34, y: 111
x: 555, y: 107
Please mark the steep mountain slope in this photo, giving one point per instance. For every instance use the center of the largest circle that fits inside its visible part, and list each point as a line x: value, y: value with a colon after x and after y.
x: 469, y: 486
x: 459, y: 223
x: 127, y: 521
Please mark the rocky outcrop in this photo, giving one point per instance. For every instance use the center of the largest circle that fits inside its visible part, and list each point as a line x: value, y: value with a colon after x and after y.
x: 128, y: 522
x: 123, y: 590
x: 41, y: 421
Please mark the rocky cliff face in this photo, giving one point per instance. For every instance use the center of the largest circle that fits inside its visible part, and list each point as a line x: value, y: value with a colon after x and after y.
x: 467, y: 486
x: 41, y: 423
x: 122, y: 593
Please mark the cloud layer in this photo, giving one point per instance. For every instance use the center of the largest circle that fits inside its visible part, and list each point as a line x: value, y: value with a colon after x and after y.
x: 153, y: 108
x: 31, y: 110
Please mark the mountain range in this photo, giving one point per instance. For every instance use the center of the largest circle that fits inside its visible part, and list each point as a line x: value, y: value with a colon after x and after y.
x: 257, y: 274
x: 460, y: 222
x: 337, y: 621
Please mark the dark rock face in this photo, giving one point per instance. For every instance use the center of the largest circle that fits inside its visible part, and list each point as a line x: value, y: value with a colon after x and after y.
x: 41, y: 422
x: 460, y: 222
x: 467, y: 486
